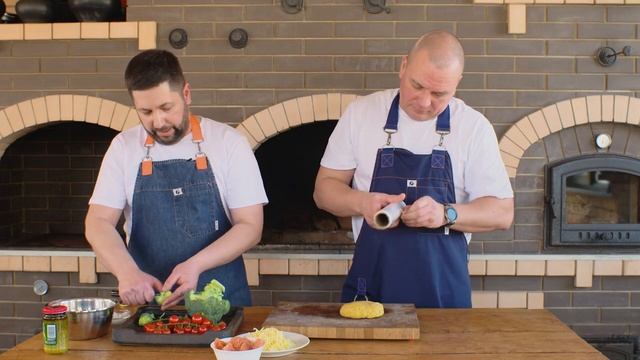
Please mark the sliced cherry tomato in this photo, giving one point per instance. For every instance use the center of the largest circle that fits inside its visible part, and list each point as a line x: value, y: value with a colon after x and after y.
x: 174, y: 319
x: 149, y: 327
x: 196, y: 319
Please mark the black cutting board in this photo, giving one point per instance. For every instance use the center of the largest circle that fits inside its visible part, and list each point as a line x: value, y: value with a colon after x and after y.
x: 130, y: 333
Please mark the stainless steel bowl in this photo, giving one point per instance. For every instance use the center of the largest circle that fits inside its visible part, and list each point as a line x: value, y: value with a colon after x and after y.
x: 89, y: 318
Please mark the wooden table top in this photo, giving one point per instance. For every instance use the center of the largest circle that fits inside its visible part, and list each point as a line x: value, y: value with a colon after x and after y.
x: 445, y: 334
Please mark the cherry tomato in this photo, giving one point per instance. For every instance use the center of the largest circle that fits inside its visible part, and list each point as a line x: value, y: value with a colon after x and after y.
x: 166, y: 330
x: 222, y: 325
x: 196, y: 318
x: 174, y: 319
x: 187, y: 329
x: 202, y: 329
x: 206, y: 322
x: 215, y: 328
x: 194, y: 330
x: 178, y: 331
x: 157, y: 330
x: 149, y: 327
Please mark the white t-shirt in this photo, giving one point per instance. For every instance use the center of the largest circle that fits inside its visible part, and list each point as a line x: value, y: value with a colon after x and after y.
x: 478, y: 169
x: 232, y: 161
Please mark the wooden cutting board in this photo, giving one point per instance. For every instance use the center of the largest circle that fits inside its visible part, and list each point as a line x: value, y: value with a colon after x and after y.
x: 323, y: 320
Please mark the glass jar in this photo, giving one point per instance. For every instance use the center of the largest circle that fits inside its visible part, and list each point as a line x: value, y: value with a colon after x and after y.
x: 121, y: 312
x: 55, y: 329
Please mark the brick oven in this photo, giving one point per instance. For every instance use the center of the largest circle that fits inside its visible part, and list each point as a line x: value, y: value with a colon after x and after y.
x: 592, y: 201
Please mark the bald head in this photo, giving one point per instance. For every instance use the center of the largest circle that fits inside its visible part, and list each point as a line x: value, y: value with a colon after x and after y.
x: 443, y: 49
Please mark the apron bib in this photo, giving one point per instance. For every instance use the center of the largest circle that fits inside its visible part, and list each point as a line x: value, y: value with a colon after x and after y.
x: 426, y: 267
x: 176, y: 212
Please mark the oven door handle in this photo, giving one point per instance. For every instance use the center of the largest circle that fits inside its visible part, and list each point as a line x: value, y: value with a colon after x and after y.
x: 552, y: 204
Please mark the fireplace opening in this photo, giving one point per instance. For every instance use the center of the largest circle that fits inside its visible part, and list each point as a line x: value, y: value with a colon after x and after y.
x: 289, y: 163
x: 594, y: 201
x: 46, y: 179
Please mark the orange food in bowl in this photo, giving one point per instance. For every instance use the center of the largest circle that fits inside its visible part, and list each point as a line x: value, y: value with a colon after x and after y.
x: 238, y: 343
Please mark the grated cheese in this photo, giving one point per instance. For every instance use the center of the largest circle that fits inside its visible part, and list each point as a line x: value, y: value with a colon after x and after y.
x: 274, y: 339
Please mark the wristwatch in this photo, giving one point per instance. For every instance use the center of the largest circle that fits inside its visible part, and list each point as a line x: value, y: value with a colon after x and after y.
x: 450, y: 215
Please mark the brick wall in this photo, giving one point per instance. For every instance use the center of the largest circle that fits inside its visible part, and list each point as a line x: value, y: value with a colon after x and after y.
x: 336, y: 46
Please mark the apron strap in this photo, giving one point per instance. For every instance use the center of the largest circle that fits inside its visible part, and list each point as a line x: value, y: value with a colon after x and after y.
x: 197, y: 138
x: 196, y: 133
x: 147, y: 162
x: 391, y: 126
x: 443, y: 123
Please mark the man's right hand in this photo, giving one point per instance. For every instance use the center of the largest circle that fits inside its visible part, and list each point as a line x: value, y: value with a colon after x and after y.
x: 371, y: 203
x: 138, y: 288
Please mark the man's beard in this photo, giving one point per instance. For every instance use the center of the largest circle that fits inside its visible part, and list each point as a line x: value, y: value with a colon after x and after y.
x: 178, y: 132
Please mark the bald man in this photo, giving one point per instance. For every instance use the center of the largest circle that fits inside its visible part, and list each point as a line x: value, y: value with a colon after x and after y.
x: 419, y: 145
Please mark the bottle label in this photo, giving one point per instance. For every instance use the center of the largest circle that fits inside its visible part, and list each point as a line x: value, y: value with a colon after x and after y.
x: 51, y: 334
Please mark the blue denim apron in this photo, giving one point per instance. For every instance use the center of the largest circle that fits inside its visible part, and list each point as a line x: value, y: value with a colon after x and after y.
x: 426, y: 267
x: 176, y: 212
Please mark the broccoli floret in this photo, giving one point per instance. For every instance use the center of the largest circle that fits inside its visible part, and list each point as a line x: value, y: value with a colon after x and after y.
x: 161, y: 297
x: 146, y: 318
x: 208, y: 302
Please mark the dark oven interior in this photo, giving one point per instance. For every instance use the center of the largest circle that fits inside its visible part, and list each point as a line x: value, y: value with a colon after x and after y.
x: 47, y: 177
x: 289, y: 163
x: 46, y: 180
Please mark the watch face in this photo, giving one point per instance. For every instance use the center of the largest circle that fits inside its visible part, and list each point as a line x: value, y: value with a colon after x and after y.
x: 452, y: 214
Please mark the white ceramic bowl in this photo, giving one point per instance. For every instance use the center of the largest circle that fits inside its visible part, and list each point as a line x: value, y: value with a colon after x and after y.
x: 253, y: 354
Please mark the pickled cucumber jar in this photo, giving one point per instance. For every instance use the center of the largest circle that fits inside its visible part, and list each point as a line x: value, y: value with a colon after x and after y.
x: 55, y: 329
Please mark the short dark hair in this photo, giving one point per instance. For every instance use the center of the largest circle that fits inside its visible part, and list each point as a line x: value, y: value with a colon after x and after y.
x: 151, y: 68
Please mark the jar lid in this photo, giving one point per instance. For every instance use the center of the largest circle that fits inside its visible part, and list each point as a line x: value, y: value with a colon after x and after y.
x: 54, y: 310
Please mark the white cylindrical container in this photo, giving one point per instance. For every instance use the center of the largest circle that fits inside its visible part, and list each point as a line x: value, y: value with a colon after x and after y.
x: 388, y: 215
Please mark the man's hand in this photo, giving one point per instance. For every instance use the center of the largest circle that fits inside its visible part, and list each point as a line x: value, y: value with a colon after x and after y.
x: 185, y: 276
x: 371, y: 203
x: 138, y: 288
x: 424, y: 212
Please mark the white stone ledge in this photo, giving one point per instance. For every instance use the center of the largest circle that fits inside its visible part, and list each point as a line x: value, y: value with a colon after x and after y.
x: 580, y: 266
x: 307, y: 256
x: 76, y: 253
x: 144, y: 31
x: 556, y: 257
x: 343, y: 255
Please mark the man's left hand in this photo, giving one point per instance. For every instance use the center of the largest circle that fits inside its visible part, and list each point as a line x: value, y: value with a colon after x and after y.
x: 424, y: 212
x: 185, y: 277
